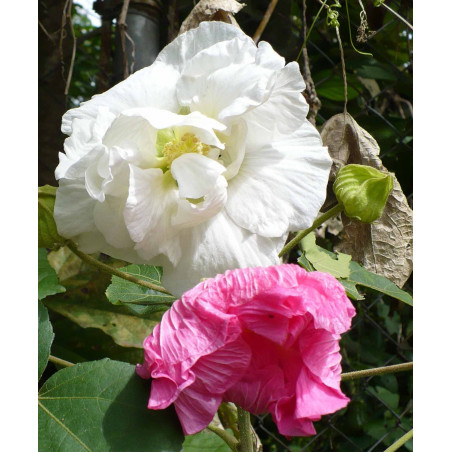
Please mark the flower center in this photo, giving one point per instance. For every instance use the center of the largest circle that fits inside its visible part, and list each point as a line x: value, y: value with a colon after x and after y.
x: 188, y: 143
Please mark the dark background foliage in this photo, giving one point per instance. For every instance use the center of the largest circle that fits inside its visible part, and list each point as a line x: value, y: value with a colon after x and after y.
x: 380, y: 100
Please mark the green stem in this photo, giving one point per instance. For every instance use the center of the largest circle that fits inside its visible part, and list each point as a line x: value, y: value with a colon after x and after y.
x: 350, y: 33
x: 113, y: 271
x: 400, y: 442
x: 246, y: 443
x: 310, y: 29
x: 225, y: 436
x: 59, y: 361
x: 317, y: 222
x: 376, y: 371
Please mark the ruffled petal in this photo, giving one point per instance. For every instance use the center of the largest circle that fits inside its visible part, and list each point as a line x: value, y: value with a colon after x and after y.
x: 151, y: 203
x: 186, y: 46
x: 217, y: 245
x: 314, y: 398
x: 280, y: 188
x: 74, y: 209
x: 196, y: 175
x: 196, y: 409
x: 153, y: 86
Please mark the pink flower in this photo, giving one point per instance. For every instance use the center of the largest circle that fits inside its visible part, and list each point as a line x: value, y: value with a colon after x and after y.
x: 264, y: 338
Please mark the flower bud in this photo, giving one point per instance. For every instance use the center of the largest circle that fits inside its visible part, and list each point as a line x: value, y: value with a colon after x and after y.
x: 47, y: 231
x: 363, y: 191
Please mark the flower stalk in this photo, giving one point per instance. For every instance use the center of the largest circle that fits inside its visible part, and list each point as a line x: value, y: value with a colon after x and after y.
x: 111, y: 270
x: 225, y: 436
x: 246, y: 443
x: 317, y: 222
x: 376, y: 371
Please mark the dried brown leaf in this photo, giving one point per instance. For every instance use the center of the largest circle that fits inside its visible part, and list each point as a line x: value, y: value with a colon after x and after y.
x: 385, y: 246
x: 205, y: 10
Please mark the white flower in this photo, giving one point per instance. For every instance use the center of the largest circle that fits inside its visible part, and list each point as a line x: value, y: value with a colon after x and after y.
x: 202, y: 162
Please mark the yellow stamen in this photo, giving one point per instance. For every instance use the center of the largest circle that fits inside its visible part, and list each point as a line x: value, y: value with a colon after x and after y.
x: 187, y: 144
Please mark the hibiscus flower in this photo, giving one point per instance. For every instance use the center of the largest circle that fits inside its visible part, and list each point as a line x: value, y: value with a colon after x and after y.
x: 202, y: 162
x: 265, y: 338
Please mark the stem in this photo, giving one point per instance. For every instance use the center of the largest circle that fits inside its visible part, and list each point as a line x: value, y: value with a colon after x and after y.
x: 265, y: 19
x: 246, y: 443
x: 376, y: 371
x: 317, y: 222
x: 397, y: 15
x: 400, y: 442
x: 310, y: 29
x: 113, y: 271
x: 225, y: 436
x: 350, y: 33
x: 59, y: 361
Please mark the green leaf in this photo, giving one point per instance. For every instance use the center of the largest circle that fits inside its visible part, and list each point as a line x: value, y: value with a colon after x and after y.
x: 102, y: 406
x: 390, y: 399
x: 47, y: 231
x: 333, y: 89
x: 146, y: 300
x: 303, y: 261
x: 123, y: 326
x: 45, y: 338
x: 362, y: 277
x: 47, y: 278
x: 351, y: 289
x: 322, y: 260
x: 205, y: 441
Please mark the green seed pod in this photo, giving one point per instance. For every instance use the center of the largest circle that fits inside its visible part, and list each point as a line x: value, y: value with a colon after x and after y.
x: 363, y: 191
x: 48, y: 235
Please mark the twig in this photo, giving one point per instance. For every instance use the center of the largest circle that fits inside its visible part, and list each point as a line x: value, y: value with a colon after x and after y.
x: 317, y: 222
x: 377, y: 371
x: 400, y: 442
x: 113, y: 271
x: 74, y: 49
x: 59, y: 361
x: 45, y: 31
x: 314, y: 101
x: 397, y: 15
x: 122, y: 33
x: 344, y: 74
x: 265, y: 20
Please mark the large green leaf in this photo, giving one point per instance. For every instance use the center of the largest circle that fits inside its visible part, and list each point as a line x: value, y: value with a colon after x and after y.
x: 140, y: 299
x: 102, y: 406
x: 205, y: 441
x: 123, y: 326
x: 47, y: 278
x: 362, y: 277
x: 45, y: 338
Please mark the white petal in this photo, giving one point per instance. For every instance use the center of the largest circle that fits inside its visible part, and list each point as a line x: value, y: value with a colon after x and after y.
x: 151, y: 204
x: 74, y: 209
x: 282, y: 187
x: 187, y: 45
x: 233, y: 90
x: 189, y: 214
x: 152, y: 86
x: 109, y: 220
x: 234, y: 152
x: 196, y: 174
x: 160, y: 119
x: 282, y: 112
x: 214, y: 247
x: 268, y: 58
